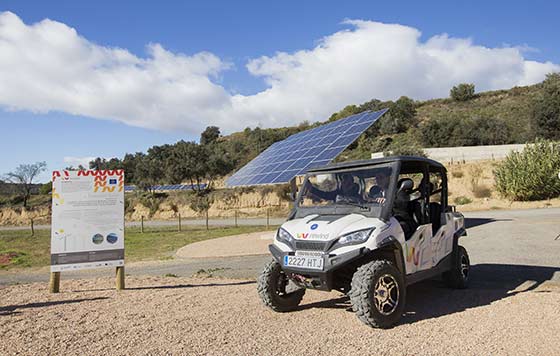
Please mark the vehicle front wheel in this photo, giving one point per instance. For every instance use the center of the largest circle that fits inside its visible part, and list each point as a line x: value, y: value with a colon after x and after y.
x: 276, y: 290
x: 378, y: 294
x: 458, y: 275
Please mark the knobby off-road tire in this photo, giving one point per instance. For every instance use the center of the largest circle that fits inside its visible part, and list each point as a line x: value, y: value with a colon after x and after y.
x: 458, y: 276
x: 369, y: 289
x: 271, y: 286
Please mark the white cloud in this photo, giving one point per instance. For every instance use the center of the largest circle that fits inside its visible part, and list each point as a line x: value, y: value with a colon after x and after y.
x: 47, y: 66
x: 78, y: 161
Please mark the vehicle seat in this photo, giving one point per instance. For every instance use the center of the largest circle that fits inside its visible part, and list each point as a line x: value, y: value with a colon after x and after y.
x: 435, y: 215
x: 355, y: 190
x: 403, y: 210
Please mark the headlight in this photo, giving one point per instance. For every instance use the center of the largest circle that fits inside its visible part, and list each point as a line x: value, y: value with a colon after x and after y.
x: 284, y: 237
x: 356, y: 237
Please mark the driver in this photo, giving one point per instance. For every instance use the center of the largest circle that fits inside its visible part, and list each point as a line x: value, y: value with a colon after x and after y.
x: 347, y: 189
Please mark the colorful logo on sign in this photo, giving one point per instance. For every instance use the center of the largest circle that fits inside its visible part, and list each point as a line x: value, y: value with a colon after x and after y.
x: 314, y: 226
x: 303, y: 235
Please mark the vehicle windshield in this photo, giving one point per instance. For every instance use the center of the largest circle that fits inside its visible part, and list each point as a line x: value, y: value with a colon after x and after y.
x: 368, y: 191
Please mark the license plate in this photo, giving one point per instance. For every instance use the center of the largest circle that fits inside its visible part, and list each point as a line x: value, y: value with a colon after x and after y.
x: 309, y: 262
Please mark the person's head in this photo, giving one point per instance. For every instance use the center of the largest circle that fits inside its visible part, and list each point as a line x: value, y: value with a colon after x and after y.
x: 347, y: 184
x: 382, y: 178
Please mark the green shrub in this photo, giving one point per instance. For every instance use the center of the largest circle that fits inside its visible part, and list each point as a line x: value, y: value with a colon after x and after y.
x: 460, y: 130
x: 462, y: 92
x: 46, y: 188
x: 531, y: 174
x: 404, y: 145
x: 462, y: 200
x: 152, y: 201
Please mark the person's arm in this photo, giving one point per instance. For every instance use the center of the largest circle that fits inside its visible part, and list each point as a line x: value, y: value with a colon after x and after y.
x: 321, y: 194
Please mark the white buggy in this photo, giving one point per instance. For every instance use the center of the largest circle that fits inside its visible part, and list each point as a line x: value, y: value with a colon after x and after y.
x: 368, y: 229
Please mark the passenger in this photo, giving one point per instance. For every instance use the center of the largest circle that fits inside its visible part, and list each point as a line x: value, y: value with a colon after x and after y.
x: 378, y: 192
x: 347, y: 189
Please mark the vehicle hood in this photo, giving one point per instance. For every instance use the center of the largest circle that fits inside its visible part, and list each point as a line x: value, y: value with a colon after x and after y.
x: 325, y: 228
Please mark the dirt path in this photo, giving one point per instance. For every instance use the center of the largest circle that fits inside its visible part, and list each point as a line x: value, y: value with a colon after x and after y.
x: 175, y: 316
x: 255, y: 243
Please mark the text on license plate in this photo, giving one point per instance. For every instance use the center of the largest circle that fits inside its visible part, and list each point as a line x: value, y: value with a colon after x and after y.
x: 311, y: 262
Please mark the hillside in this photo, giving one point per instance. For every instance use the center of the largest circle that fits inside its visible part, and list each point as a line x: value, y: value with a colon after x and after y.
x: 513, y: 106
x: 494, y: 117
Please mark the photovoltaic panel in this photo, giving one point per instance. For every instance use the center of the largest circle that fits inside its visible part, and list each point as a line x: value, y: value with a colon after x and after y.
x: 300, y: 152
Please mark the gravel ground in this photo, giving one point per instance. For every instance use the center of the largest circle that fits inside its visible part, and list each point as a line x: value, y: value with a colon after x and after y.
x: 186, y: 316
x: 512, y: 307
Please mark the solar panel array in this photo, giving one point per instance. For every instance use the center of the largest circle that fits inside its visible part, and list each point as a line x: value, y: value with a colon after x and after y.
x: 131, y: 188
x: 300, y: 152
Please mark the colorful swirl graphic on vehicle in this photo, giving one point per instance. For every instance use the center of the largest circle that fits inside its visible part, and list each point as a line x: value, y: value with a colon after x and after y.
x: 412, y: 255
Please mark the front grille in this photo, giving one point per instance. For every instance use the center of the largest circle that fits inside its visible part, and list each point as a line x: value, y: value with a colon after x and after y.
x: 311, y: 245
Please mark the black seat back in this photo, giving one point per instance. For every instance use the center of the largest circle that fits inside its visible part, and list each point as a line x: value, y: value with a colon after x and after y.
x: 435, y: 215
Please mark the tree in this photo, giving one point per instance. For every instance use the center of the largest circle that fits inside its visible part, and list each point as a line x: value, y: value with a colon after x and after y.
x: 210, y: 135
x: 198, y: 164
x: 545, y: 119
x: 148, y: 173
x: 349, y: 110
x: 23, y: 177
x: 400, y: 117
x: 462, y: 92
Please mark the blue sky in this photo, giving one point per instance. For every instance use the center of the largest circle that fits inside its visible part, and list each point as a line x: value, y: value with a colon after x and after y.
x: 233, y: 76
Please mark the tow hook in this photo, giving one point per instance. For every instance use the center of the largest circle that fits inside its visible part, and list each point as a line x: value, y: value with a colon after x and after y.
x: 299, y: 278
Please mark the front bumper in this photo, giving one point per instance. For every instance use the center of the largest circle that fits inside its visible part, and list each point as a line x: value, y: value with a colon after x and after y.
x: 318, y: 279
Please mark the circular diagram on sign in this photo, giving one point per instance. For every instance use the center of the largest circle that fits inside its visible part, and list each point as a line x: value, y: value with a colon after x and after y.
x: 97, y: 239
x: 112, y: 238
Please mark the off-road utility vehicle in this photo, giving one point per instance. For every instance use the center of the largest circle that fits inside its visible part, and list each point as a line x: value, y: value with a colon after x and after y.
x: 368, y: 229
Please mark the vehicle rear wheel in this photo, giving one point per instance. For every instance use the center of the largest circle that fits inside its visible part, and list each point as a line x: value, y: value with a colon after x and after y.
x: 458, y: 275
x: 276, y: 290
x: 378, y: 294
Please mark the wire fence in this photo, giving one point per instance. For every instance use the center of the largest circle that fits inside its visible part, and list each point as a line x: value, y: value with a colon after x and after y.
x: 267, y: 219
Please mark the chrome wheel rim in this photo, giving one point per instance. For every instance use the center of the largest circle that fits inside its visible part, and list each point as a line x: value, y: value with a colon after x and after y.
x: 386, y: 294
x: 464, y: 267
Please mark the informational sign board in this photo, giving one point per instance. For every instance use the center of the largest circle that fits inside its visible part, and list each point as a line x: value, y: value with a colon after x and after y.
x: 87, y: 219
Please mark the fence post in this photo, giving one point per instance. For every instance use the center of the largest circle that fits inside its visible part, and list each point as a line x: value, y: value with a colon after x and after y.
x: 207, y: 228
x: 119, y: 282
x: 268, y: 218
x: 54, y: 282
x: 179, y: 222
x: 142, y: 224
x: 32, y: 228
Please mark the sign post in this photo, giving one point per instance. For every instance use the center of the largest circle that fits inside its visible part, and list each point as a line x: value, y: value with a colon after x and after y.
x: 87, y: 223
